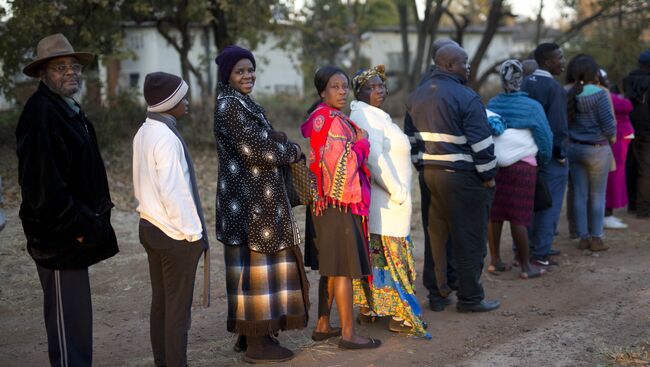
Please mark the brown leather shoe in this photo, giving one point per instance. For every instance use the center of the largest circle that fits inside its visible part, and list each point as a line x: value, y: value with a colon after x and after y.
x: 584, y: 243
x: 597, y: 244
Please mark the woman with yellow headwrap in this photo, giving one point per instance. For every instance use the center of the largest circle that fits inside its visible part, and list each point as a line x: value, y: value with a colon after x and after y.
x: 390, y: 290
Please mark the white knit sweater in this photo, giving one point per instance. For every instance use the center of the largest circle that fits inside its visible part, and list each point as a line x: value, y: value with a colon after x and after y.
x: 161, y: 182
x: 390, y: 169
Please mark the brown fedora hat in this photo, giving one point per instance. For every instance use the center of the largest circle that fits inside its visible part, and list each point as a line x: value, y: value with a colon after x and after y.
x: 51, y: 47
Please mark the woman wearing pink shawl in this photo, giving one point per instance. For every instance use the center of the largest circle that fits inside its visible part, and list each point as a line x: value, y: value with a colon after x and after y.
x: 336, y: 229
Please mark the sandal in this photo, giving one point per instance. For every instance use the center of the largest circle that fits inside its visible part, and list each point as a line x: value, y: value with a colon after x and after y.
x: 399, y: 326
x: 371, y: 344
x: 366, y: 319
x: 498, y: 268
x: 319, y: 337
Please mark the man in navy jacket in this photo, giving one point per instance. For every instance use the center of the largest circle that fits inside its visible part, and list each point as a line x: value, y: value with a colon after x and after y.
x: 453, y: 145
x: 541, y: 87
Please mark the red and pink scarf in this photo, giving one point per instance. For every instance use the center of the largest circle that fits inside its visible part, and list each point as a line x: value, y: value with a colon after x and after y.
x: 337, y: 156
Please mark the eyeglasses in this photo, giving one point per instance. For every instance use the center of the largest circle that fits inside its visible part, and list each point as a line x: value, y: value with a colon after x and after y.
x: 62, y: 68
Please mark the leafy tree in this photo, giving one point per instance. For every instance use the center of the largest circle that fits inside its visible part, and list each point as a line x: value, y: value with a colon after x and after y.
x: 89, y: 25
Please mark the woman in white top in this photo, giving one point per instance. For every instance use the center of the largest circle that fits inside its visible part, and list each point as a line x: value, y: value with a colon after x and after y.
x: 390, y: 290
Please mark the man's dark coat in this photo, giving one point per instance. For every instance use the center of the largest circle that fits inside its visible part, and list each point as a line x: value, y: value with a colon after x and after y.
x: 63, y: 185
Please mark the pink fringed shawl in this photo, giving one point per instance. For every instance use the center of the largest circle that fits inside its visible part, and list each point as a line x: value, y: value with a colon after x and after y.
x: 338, y: 154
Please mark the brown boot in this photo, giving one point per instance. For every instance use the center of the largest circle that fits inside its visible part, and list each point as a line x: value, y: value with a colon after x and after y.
x: 597, y: 244
x: 584, y: 243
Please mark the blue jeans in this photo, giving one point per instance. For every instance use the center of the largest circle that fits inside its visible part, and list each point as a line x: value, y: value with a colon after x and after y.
x: 542, y: 229
x: 589, y: 169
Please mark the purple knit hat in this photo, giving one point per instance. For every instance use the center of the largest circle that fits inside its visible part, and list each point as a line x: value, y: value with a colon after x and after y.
x: 227, y: 59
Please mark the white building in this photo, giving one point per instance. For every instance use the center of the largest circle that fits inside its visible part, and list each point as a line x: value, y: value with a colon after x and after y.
x: 384, y: 46
x: 277, y: 69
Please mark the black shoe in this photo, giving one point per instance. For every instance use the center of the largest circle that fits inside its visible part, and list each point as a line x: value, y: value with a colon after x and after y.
x: 266, y: 350
x: 554, y: 252
x: 483, y: 306
x: 544, y: 262
x: 439, y: 304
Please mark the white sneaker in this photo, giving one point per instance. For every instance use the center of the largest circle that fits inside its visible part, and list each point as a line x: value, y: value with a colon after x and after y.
x: 612, y: 223
x: 616, y: 219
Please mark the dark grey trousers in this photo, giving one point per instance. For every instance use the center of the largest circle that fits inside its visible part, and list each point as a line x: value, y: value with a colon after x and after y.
x: 459, y: 209
x: 172, y: 267
x: 68, y: 316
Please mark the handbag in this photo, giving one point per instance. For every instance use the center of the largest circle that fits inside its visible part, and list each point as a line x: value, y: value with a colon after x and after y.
x: 300, y: 183
x: 543, y: 199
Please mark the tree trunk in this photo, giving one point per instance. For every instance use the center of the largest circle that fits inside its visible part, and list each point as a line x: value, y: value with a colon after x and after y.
x: 539, y: 22
x: 492, y: 25
x: 402, y: 10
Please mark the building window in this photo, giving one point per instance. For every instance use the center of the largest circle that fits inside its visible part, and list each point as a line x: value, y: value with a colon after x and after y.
x: 134, y: 78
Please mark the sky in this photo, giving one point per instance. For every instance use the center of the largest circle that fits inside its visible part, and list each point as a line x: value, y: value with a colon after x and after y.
x: 527, y: 8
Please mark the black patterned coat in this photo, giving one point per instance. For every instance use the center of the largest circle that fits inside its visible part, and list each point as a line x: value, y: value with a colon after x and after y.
x: 252, y: 204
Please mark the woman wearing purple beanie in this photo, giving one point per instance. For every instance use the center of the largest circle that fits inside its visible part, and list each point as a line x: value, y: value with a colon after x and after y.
x: 265, y: 280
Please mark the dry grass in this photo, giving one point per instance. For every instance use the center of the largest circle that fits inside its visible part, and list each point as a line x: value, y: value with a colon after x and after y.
x: 634, y: 356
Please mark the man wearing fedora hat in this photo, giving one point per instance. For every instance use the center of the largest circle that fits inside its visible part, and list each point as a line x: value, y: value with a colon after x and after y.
x: 66, y: 204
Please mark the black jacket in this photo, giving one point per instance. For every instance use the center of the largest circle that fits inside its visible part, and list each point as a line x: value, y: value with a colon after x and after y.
x: 447, y: 125
x: 63, y: 185
x: 637, y: 89
x: 252, y: 205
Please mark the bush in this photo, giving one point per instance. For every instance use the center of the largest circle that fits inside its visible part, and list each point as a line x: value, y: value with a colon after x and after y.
x: 286, y: 113
x: 117, y: 122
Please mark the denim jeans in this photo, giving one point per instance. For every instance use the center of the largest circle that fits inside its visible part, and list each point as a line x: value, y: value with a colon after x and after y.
x: 542, y: 230
x: 589, y: 169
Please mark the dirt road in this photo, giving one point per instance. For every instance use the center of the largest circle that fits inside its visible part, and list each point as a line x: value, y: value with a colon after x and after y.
x: 591, y: 308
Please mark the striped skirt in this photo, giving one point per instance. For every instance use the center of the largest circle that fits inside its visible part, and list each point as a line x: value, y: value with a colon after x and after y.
x: 266, y: 292
x: 514, y: 198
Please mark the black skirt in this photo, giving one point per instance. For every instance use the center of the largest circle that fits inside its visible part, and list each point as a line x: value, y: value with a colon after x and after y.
x: 335, y: 244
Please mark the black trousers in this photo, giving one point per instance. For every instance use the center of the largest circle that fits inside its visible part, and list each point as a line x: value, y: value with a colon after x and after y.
x: 631, y: 176
x: 642, y: 155
x: 172, y: 267
x: 68, y: 316
x: 443, y: 262
x: 458, y: 209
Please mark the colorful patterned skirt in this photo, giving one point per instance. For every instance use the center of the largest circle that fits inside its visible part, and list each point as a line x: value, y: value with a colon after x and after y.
x: 266, y: 292
x: 392, y: 290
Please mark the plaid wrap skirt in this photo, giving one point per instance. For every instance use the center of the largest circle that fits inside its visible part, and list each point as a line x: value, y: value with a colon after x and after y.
x: 266, y: 292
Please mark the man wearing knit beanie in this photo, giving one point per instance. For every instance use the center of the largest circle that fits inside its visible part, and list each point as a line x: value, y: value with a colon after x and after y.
x: 172, y: 226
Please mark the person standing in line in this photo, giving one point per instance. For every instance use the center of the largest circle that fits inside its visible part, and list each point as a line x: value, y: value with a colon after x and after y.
x: 529, y: 66
x: 541, y: 87
x: 444, y: 258
x: 592, y: 129
x: 392, y: 290
x: 637, y: 88
x: 66, y: 207
x: 172, y: 228
x: 526, y: 140
x: 457, y: 153
x: 266, y: 284
x: 435, y: 46
x: 616, y: 195
x: 338, y: 154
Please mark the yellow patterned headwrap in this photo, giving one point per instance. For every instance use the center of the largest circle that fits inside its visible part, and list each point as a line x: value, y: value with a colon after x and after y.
x: 363, y: 75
